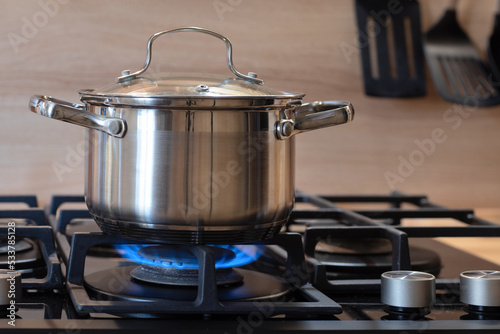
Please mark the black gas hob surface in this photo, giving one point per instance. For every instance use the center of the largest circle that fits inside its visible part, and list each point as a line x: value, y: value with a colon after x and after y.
x: 321, y: 274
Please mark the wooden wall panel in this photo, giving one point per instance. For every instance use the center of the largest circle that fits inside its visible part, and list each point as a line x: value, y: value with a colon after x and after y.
x: 292, y: 45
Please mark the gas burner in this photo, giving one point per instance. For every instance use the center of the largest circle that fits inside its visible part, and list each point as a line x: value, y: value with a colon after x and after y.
x: 177, y: 265
x: 347, y: 258
x: 35, y: 254
x: 21, y: 246
x: 171, y: 271
x: 29, y: 259
x: 253, y: 286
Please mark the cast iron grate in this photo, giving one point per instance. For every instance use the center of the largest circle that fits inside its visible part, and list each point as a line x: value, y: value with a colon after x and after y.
x: 310, y: 300
x: 379, y: 223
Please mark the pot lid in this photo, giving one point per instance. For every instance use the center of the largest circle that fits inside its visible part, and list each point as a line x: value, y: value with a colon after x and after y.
x: 188, y: 89
x: 188, y: 85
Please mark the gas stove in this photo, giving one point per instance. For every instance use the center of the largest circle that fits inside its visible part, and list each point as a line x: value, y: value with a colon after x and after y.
x: 349, y: 264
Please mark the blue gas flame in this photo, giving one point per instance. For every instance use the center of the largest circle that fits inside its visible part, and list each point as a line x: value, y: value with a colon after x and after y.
x: 245, y: 254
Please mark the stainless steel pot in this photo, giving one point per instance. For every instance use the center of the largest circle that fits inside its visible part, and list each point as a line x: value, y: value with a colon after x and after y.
x: 191, y: 158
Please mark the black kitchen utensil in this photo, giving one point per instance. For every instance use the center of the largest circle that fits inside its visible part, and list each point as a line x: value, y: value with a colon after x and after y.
x: 494, y: 49
x: 456, y: 67
x: 390, y: 41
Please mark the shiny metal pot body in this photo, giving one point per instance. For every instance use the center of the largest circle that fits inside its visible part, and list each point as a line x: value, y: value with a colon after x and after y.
x: 191, y: 158
x: 194, y: 176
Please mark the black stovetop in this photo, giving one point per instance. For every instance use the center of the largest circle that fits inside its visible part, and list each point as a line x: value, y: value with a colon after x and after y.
x: 322, y: 263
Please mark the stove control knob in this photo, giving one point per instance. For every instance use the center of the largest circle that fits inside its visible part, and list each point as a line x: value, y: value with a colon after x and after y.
x: 408, y: 289
x: 10, y: 286
x: 480, y: 288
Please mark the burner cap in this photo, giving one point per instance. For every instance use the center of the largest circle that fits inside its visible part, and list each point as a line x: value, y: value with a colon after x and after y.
x: 180, y: 256
x: 177, y: 265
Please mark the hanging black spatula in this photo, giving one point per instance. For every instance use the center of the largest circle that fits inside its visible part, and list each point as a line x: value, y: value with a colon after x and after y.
x: 494, y: 49
x: 456, y: 67
x: 391, y: 47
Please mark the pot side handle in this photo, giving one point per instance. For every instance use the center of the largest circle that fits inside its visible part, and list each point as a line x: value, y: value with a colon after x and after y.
x: 76, y: 114
x: 315, y: 115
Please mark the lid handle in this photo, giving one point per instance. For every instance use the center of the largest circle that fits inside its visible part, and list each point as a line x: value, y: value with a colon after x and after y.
x: 229, y: 55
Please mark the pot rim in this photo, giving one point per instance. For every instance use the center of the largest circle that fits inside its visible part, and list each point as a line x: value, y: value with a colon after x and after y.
x: 191, y: 102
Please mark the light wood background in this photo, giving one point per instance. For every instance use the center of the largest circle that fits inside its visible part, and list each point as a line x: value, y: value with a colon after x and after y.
x: 292, y: 45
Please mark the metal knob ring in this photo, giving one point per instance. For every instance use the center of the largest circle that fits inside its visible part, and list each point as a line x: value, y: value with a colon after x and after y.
x: 229, y: 54
x: 10, y: 287
x: 480, y: 288
x: 411, y: 289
